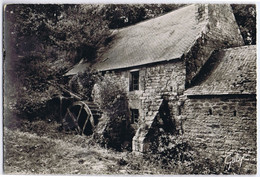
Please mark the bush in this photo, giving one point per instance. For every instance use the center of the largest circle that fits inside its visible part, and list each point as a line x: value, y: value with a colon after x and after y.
x: 110, y: 95
x: 29, y: 82
x: 171, y: 150
x: 32, y: 104
x: 175, y: 155
x: 174, y: 148
x: 83, y: 83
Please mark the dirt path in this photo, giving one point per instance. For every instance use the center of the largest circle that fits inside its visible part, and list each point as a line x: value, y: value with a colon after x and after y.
x: 28, y: 153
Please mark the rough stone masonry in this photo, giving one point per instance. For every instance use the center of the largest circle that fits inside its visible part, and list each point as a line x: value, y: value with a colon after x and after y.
x: 193, y: 59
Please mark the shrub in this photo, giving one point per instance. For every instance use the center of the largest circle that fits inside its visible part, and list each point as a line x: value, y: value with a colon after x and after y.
x: 110, y: 94
x: 83, y: 83
x: 29, y: 83
x: 171, y: 148
x: 111, y: 97
x: 174, y: 154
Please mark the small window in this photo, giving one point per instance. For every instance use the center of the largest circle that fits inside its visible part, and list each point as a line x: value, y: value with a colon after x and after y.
x: 134, y: 115
x: 235, y: 113
x: 210, y: 111
x: 134, y: 81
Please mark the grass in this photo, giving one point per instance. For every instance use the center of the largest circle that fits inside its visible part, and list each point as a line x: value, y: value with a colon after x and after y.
x: 27, y: 153
x: 53, y: 152
x: 40, y: 148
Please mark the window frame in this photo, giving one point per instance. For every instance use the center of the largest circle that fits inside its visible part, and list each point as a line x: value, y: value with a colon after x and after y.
x: 134, y: 80
x: 134, y: 115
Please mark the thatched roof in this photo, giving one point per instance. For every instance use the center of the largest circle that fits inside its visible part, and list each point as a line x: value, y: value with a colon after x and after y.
x: 160, y: 39
x: 233, y: 73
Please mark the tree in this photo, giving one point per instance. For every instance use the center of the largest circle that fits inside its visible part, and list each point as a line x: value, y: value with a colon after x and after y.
x: 42, y: 42
x: 122, y: 15
x: 80, y: 28
x: 245, y: 15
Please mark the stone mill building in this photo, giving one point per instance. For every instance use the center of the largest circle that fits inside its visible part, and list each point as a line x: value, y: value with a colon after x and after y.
x: 188, y: 72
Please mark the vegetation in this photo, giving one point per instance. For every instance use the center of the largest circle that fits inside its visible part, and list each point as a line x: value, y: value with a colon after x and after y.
x: 115, y: 121
x: 122, y: 15
x: 39, y: 147
x: 83, y: 83
x: 245, y: 15
x: 44, y: 41
x: 41, y: 43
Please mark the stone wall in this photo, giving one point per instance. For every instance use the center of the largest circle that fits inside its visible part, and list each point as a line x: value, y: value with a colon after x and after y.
x: 155, y: 81
x: 165, y: 80
x: 224, y: 125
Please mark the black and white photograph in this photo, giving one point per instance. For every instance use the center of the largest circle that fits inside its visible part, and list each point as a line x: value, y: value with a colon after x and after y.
x: 129, y: 89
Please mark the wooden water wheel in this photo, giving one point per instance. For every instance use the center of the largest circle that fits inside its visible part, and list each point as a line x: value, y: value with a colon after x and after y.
x: 82, y: 116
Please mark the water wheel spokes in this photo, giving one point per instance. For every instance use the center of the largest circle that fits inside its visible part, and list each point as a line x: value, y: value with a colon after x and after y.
x: 75, y: 121
x: 85, y: 124
x: 89, y: 122
x: 80, y: 116
x: 80, y: 131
